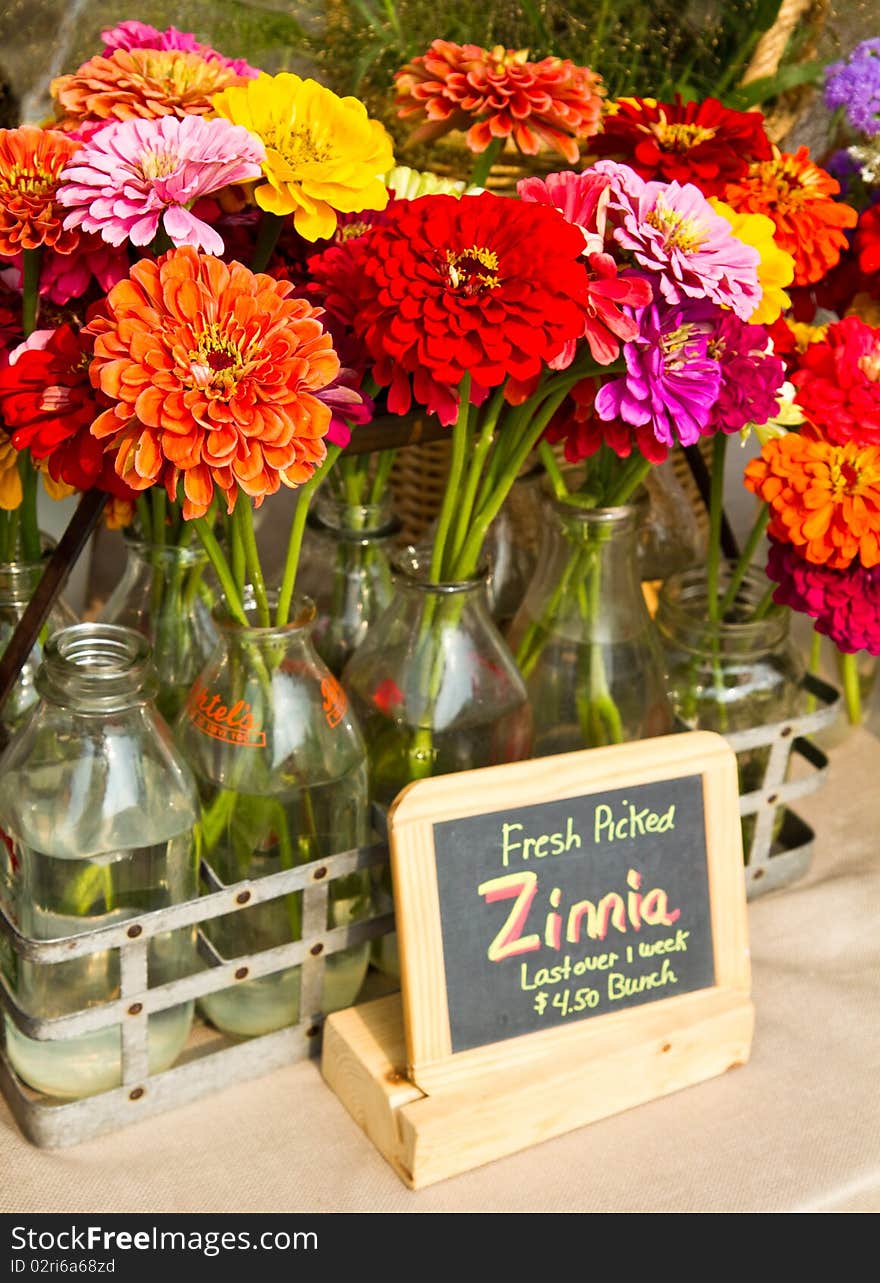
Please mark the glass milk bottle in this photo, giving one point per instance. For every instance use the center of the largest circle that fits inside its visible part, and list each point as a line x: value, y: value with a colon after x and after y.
x: 98, y: 815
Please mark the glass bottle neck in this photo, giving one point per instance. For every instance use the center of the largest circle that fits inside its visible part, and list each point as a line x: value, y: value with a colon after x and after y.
x: 97, y: 668
x: 166, y: 557
x: 683, y: 615
x: 353, y: 522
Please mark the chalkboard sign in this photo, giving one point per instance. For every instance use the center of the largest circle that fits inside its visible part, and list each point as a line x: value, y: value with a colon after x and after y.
x: 542, y: 899
x: 566, y: 910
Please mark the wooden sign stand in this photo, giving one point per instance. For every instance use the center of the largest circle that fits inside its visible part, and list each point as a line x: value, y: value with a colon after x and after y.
x: 434, y: 1101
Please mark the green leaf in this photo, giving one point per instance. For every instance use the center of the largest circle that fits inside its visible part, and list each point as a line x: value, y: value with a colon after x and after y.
x: 758, y: 91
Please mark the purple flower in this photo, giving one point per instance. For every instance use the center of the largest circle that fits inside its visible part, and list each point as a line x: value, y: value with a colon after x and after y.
x: 854, y: 84
x: 672, y: 231
x: 139, y: 35
x: 751, y: 377
x: 844, y: 603
x: 132, y: 174
x: 671, y: 380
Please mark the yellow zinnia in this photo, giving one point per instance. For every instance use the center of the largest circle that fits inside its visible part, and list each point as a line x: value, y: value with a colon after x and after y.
x: 324, y: 154
x: 776, y: 268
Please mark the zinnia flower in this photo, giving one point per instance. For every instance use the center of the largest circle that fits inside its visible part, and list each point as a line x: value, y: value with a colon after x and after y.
x: 751, y: 376
x: 582, y: 199
x: 775, y: 266
x: 140, y: 83
x: 498, y: 93
x: 673, y: 231
x: 798, y: 196
x: 324, y: 154
x: 31, y: 161
x: 577, y: 425
x: 838, y: 382
x: 703, y: 143
x: 824, y: 499
x: 866, y: 242
x: 853, y: 83
x: 213, y: 372
x: 48, y: 402
x: 671, y: 381
x: 844, y: 603
x: 139, y: 35
x: 134, y: 175
x: 483, y: 285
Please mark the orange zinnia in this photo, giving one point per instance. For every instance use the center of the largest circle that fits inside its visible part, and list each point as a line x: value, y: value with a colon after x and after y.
x: 144, y: 83
x: 212, y: 371
x: 31, y: 161
x: 798, y: 196
x: 824, y: 499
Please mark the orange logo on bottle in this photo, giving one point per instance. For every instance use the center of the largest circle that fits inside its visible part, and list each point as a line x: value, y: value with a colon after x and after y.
x: 234, y: 725
x: 335, y: 700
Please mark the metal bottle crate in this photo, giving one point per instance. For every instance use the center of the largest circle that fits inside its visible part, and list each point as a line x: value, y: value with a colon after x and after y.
x: 211, y: 1061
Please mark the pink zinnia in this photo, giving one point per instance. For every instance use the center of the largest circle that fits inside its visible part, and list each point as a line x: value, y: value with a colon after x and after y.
x: 139, y: 35
x: 582, y: 199
x: 133, y: 174
x: 671, y: 229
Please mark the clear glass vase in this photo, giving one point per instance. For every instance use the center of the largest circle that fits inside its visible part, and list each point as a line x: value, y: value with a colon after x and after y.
x: 167, y: 593
x: 436, y: 690
x: 583, y: 638
x: 511, y: 546
x: 18, y: 583
x: 98, y: 813
x: 345, y: 570
x: 733, y: 674
x: 281, y: 770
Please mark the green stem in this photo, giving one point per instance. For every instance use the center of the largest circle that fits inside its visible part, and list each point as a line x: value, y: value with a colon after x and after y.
x: 384, y: 464
x: 243, y: 522
x: 484, y: 162
x: 852, y: 692
x: 765, y: 605
x: 143, y: 512
x: 208, y: 540
x: 745, y: 560
x: 267, y: 238
x: 489, y: 510
x: 629, y: 481
x: 30, y: 289
x: 297, y: 530
x: 474, y: 473
x: 716, y: 500
x: 453, y: 481
x: 30, y: 531
x: 553, y: 470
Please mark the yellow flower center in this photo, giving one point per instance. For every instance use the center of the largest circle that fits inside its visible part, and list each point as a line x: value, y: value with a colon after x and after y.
x: 217, y: 362
x: 678, y: 232
x: 679, y: 136
x: 472, y: 271
x: 296, y: 146
x: 28, y: 182
x: 350, y: 231
x: 156, y: 164
x: 502, y: 58
x: 869, y: 364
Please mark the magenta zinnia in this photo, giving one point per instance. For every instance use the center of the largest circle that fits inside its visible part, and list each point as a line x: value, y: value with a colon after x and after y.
x: 480, y: 285
x: 751, y: 376
x: 844, y: 603
x: 132, y: 176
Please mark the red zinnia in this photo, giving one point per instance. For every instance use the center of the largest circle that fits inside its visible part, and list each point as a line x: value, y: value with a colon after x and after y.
x: 798, y: 196
x: 867, y: 240
x: 704, y: 143
x: 482, y: 285
x: 48, y: 403
x: 838, y: 382
x: 498, y: 93
x: 31, y: 161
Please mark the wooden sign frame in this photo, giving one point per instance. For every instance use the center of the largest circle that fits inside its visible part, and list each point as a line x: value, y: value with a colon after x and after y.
x: 433, y: 1111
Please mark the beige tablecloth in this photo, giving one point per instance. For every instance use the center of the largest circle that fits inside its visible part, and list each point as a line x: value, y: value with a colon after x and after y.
x: 796, y: 1129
